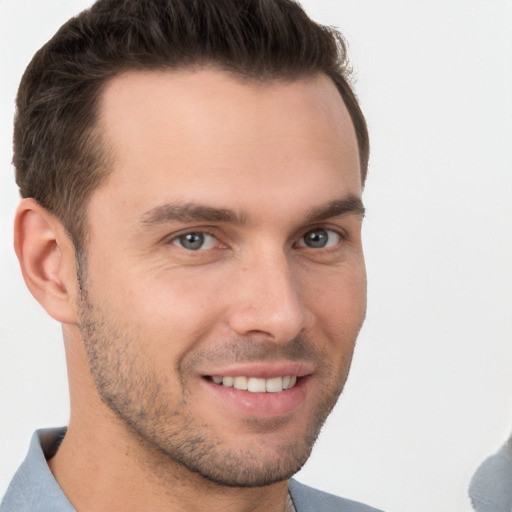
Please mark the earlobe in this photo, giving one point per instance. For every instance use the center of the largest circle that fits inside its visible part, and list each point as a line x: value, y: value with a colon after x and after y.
x: 47, y: 260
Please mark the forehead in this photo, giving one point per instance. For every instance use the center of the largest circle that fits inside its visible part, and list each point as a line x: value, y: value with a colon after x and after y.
x: 192, y: 92
x: 210, y: 131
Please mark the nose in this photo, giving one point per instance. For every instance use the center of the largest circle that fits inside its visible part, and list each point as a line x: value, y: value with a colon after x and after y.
x: 267, y: 300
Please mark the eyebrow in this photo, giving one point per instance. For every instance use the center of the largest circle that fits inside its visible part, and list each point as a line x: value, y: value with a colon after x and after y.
x: 350, y: 204
x: 191, y: 212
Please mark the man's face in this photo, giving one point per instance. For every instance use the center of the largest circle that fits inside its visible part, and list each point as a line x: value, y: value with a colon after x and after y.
x: 224, y: 253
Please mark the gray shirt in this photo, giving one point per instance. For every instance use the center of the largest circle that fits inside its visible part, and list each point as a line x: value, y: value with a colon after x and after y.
x: 34, y: 489
x: 491, y: 486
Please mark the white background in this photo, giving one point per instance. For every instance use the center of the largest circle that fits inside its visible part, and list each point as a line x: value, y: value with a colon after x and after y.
x: 430, y: 391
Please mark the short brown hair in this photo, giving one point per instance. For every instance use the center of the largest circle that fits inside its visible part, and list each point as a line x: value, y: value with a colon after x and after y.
x: 58, y: 154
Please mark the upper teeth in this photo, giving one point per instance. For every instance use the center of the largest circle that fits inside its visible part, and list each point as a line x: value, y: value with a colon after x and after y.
x: 257, y: 385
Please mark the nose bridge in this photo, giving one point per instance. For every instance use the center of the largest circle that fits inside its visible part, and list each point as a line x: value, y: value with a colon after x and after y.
x: 268, y: 298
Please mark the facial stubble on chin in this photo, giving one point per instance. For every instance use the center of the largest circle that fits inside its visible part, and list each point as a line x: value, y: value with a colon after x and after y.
x: 141, y: 400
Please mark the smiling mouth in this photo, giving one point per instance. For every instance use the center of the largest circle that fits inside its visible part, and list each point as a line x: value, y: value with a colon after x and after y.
x: 256, y: 384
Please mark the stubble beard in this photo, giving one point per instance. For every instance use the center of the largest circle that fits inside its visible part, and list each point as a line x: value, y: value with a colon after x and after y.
x: 140, y: 398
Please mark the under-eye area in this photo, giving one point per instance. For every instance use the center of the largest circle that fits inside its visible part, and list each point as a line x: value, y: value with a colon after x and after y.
x: 256, y: 384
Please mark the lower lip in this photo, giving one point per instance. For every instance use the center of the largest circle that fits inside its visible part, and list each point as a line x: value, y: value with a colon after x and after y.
x: 259, y: 405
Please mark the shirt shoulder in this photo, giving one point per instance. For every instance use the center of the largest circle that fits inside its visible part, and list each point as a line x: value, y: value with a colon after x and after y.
x: 490, y: 489
x: 307, y: 499
x: 33, y: 487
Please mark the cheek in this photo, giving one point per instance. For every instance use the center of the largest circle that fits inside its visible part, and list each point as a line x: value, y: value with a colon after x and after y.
x: 339, y: 306
x: 338, y: 297
x: 168, y: 311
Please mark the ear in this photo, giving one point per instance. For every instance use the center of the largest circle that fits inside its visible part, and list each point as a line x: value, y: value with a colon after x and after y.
x: 47, y: 260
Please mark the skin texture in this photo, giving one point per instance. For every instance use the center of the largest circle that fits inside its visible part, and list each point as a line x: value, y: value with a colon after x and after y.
x: 259, y: 176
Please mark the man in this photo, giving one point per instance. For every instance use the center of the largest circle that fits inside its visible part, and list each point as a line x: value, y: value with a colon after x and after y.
x: 491, y: 486
x: 191, y: 174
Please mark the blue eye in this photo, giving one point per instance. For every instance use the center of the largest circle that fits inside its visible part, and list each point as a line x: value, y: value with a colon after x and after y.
x: 195, y: 241
x: 319, y: 238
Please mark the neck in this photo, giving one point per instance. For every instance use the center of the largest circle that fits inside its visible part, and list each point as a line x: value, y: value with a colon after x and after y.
x: 104, y: 473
